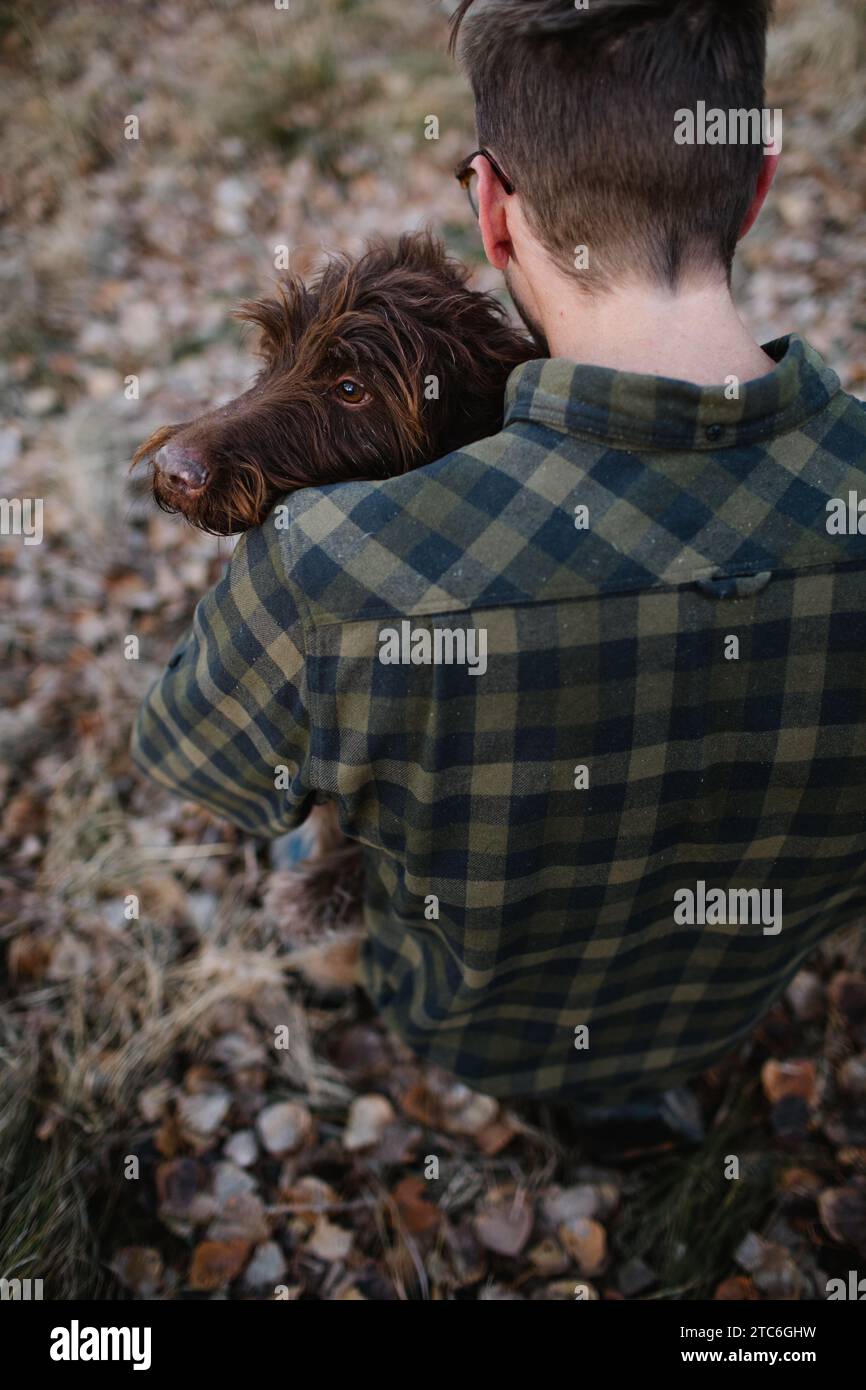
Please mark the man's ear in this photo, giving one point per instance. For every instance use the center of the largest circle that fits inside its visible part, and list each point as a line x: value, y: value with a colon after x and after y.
x: 493, y: 203
x: 767, y: 174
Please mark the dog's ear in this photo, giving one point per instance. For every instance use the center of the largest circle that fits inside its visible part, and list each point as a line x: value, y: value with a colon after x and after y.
x: 281, y: 320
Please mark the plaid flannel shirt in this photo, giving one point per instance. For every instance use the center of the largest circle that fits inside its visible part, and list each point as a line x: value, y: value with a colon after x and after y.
x: 527, y: 830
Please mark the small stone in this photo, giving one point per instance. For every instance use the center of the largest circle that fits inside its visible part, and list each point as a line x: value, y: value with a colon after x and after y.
x: 564, y: 1204
x: 504, y: 1223
x: 242, y: 1148
x: 843, y: 1214
x: 235, y: 1051
x: 231, y: 1181
x: 285, y: 1127
x: 202, y: 1114
x: 778, y: 1277
x: 242, y: 1218
x: 477, y: 1112
x: 806, y: 996
x: 267, y: 1266
x: 153, y: 1100
x: 750, y: 1251
x: 102, y: 383
x: 140, y: 324
x: 369, y: 1117
x: 10, y: 445
x: 852, y: 1075
x: 41, y: 400
x: 329, y: 1242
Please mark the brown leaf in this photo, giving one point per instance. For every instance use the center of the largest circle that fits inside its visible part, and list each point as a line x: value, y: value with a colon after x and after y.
x: 549, y: 1258
x: 798, y: 1077
x: 495, y: 1137
x: 420, y: 1104
x: 417, y: 1214
x: 217, y: 1262
x: 28, y: 956
x: 735, y: 1289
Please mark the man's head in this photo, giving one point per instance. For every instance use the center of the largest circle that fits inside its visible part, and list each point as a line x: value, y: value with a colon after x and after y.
x: 383, y: 363
x: 578, y: 106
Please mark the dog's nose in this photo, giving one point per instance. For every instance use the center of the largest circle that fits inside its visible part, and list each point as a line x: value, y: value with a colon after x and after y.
x: 183, y: 469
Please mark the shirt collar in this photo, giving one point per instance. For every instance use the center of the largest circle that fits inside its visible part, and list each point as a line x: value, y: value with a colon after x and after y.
x: 659, y: 413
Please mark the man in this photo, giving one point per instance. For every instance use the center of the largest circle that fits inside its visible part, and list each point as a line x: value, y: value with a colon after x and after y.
x: 590, y: 692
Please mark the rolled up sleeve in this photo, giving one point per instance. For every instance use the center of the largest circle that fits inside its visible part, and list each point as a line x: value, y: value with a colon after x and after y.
x: 227, y: 724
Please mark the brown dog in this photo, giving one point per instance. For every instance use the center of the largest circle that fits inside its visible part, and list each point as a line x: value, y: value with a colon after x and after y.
x: 381, y: 364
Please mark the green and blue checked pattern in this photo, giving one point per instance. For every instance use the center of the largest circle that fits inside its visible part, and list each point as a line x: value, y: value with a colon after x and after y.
x: 707, y: 519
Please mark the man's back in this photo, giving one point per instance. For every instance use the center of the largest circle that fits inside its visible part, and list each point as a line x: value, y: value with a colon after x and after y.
x: 570, y: 687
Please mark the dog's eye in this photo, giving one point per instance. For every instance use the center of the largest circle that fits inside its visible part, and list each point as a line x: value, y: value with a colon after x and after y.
x: 350, y: 392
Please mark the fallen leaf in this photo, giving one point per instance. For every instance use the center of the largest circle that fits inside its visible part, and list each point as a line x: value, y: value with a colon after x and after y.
x: 417, y: 1214
x: 216, y: 1263
x: 739, y: 1287
x: 793, y: 1078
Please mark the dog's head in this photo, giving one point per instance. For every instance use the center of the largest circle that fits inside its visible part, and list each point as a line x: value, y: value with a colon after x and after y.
x: 383, y: 363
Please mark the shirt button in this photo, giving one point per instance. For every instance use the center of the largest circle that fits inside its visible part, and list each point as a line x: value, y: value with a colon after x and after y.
x: 714, y: 431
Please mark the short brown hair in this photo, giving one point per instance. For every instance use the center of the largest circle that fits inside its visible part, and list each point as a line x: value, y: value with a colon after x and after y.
x: 578, y: 104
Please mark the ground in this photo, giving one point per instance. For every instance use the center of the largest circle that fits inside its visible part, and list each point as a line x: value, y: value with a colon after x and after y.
x: 156, y: 1140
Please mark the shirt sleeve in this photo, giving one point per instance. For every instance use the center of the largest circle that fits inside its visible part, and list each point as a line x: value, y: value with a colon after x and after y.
x: 227, y: 724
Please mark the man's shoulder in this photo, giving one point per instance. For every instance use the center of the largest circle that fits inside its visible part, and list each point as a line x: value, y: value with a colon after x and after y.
x: 363, y: 547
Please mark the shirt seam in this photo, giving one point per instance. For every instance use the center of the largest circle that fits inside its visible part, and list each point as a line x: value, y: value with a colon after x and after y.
x: 715, y: 572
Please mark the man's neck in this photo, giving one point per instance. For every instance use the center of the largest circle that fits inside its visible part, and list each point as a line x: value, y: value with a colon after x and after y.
x: 694, y: 335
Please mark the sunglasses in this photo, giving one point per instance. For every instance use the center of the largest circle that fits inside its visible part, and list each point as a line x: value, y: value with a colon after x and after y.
x: 465, y: 176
